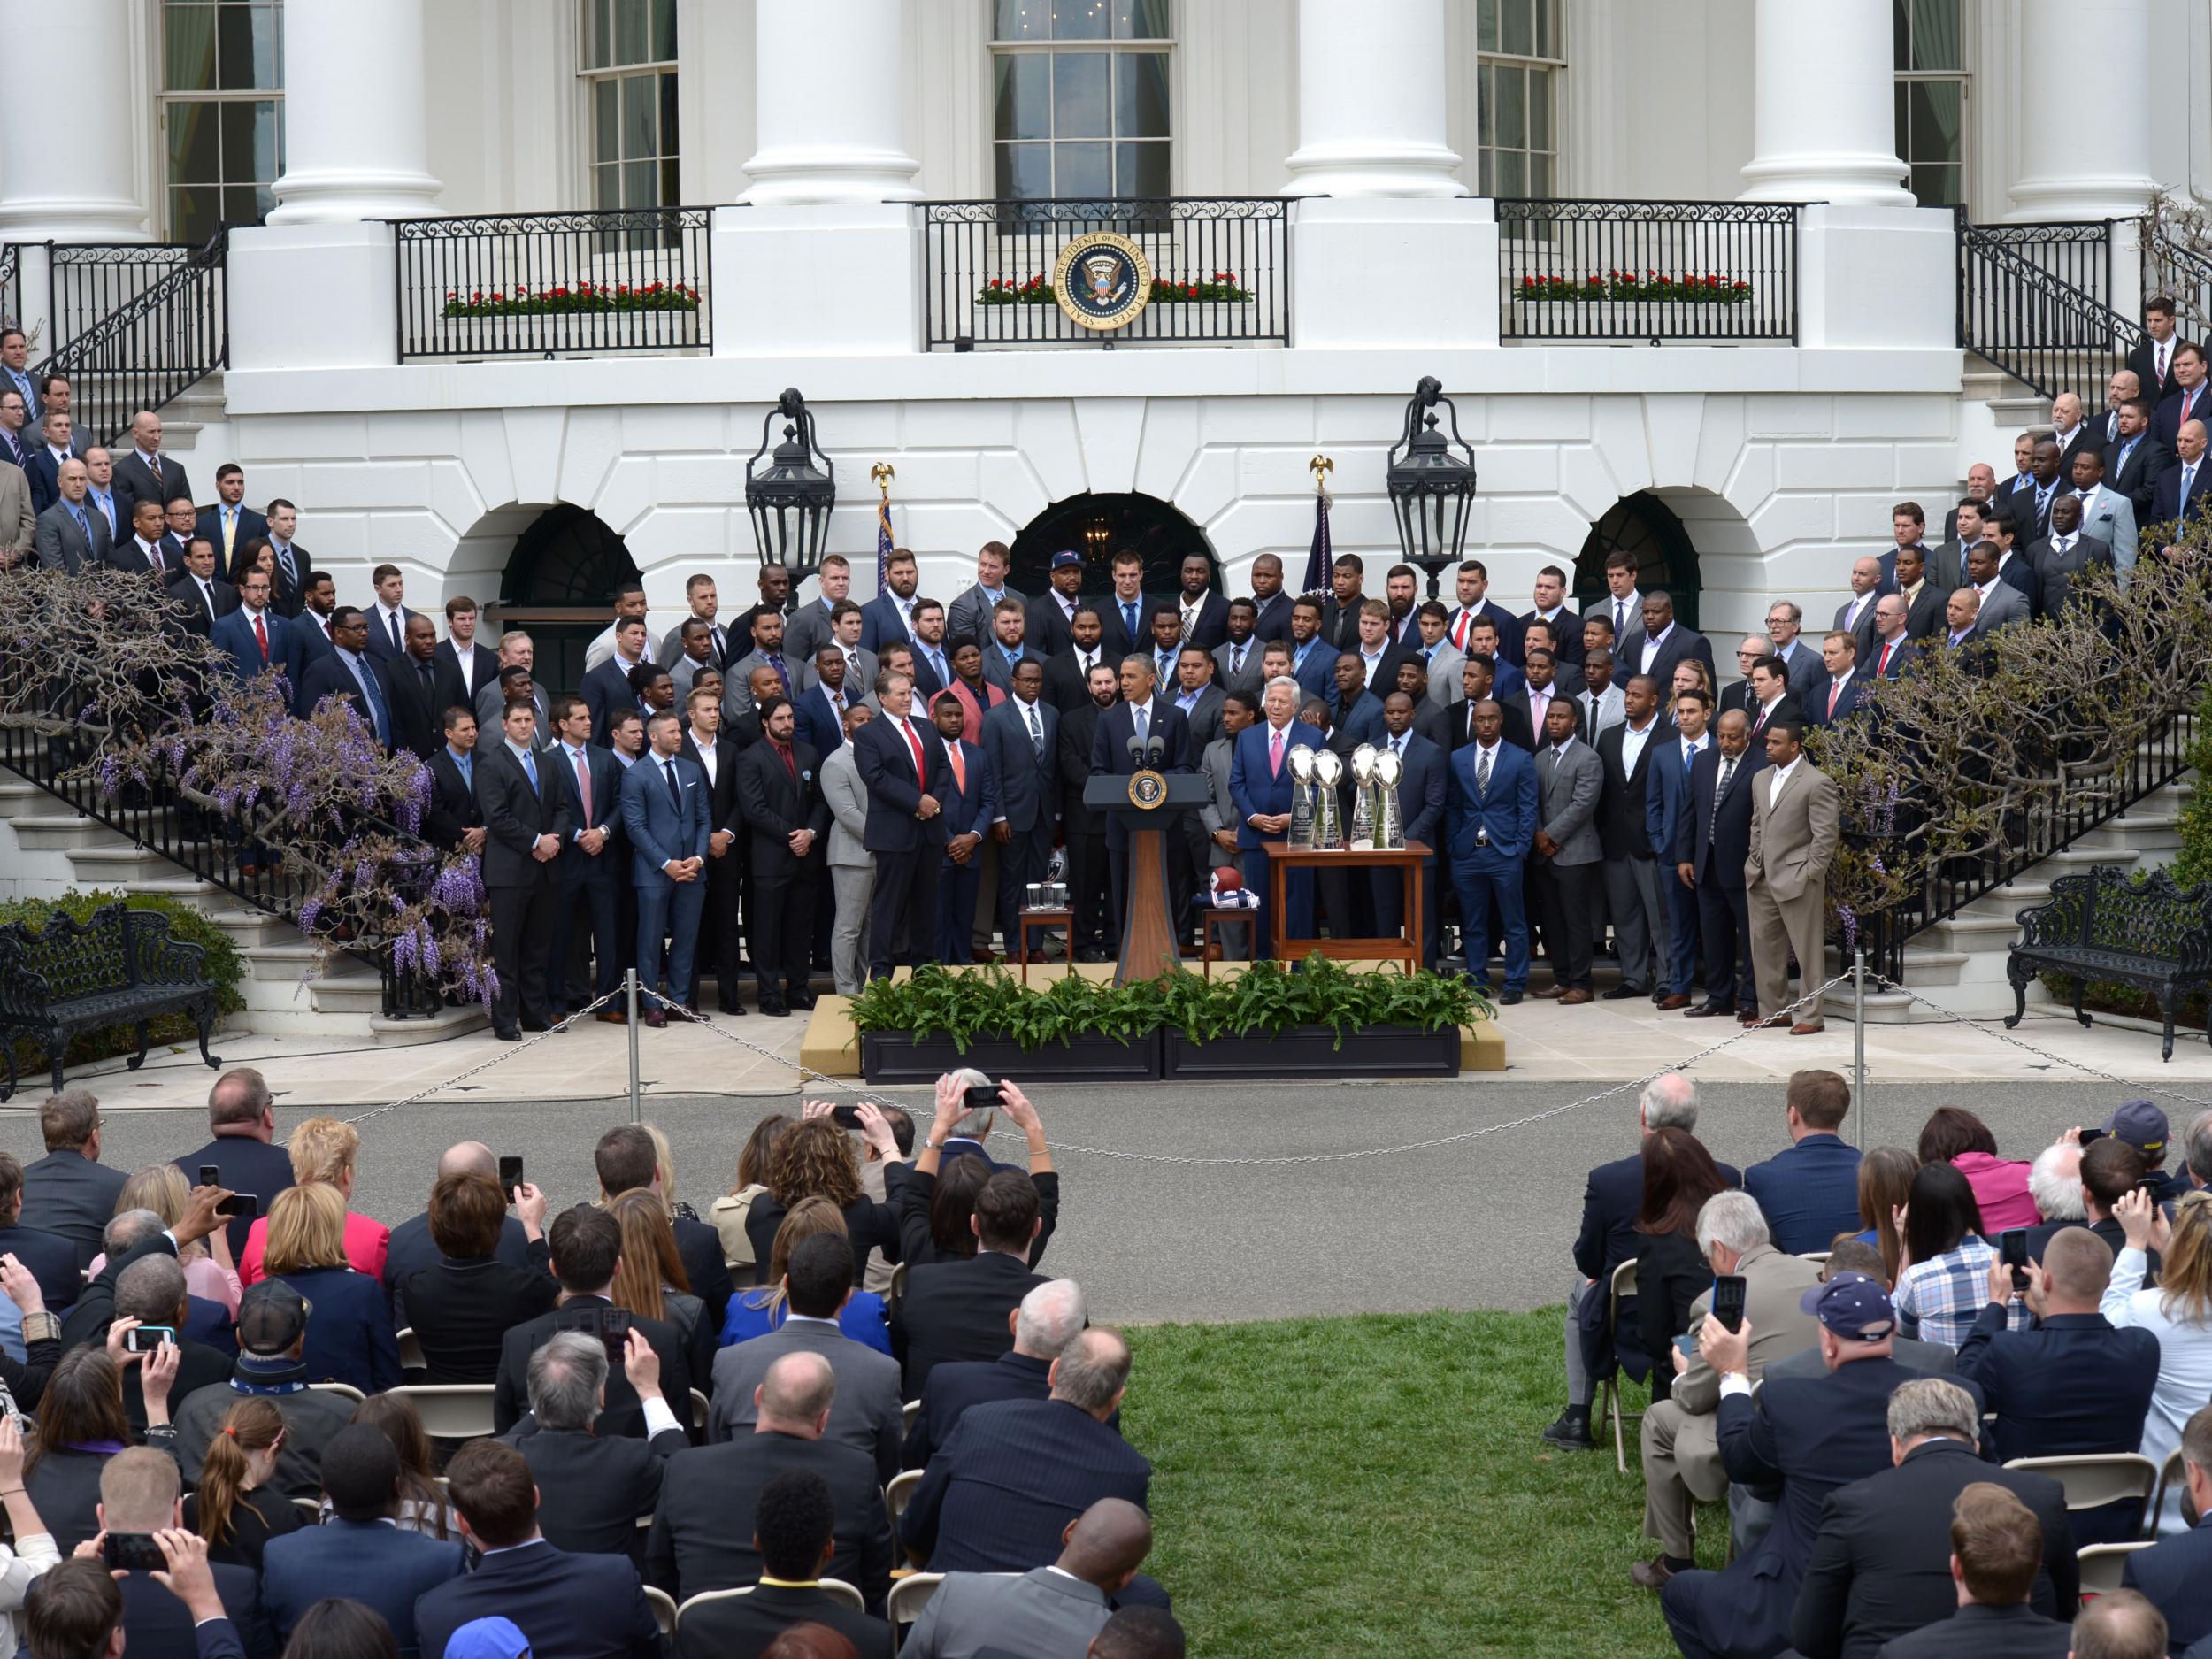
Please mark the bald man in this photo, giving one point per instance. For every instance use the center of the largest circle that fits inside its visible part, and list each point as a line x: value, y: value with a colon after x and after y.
x: 412, y: 1249
x: 1056, y: 1609
x: 2183, y: 487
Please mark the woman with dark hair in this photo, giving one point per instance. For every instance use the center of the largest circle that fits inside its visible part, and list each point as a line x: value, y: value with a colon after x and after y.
x: 650, y: 1280
x: 1679, y: 1175
x: 815, y: 1158
x: 1955, y: 1136
x: 463, y: 1308
x: 81, y: 1424
x: 253, y: 554
x: 726, y: 1214
x: 237, y: 1506
x: 934, y: 1231
x: 337, y: 1628
x: 1943, y: 1281
x: 1884, y: 1185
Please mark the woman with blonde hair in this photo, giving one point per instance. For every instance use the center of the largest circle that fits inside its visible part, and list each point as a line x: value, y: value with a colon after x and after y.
x: 350, y: 1334
x: 814, y: 1158
x: 2178, y: 1311
x: 650, y: 1280
x: 728, y: 1212
x: 758, y: 1312
x: 209, y: 1272
x: 324, y: 1152
x: 237, y: 1506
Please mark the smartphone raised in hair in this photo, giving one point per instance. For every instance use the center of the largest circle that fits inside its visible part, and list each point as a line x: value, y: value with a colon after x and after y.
x: 845, y: 1117
x: 2012, y: 1244
x: 1728, y: 1296
x: 982, y: 1099
x: 144, y: 1339
x: 2087, y: 1135
x: 132, y: 1552
x: 244, y: 1206
x: 510, y: 1177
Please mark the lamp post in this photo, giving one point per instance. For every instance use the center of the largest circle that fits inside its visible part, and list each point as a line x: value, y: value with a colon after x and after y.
x: 1430, y: 487
x: 790, y: 499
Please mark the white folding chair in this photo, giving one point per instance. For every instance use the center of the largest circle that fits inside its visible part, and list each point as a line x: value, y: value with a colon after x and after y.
x: 699, y: 1409
x: 311, y: 1510
x: 2169, y: 1474
x: 410, y: 1351
x: 836, y: 1589
x: 664, y: 1606
x: 908, y: 1596
x: 907, y: 1413
x: 898, y: 1289
x: 2095, y: 1480
x: 450, y: 1411
x: 1623, y: 1284
x: 2102, y: 1565
x: 347, y: 1389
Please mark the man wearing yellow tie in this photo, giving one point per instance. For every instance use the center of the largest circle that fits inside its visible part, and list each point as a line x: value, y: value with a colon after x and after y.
x: 230, y: 524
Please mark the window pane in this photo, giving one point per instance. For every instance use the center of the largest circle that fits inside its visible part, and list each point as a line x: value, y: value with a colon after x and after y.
x: 1140, y: 94
x: 1082, y: 170
x: 275, y: 37
x: 1079, y: 95
x: 1142, y: 20
x: 250, y: 143
x: 189, y: 48
x: 1512, y: 121
x: 1539, y: 177
x: 669, y: 144
x: 1024, y: 172
x: 672, y: 183
x: 196, y: 154
x: 637, y: 118
x: 1485, y: 105
x: 1141, y: 169
x: 195, y: 213
x: 1486, y: 26
x: 1546, y: 28
x: 1482, y: 174
x: 1937, y: 186
x: 1021, y: 94
x: 606, y: 98
x: 630, y: 19
x: 1936, y: 121
x: 599, y: 32
x: 664, y: 42
x: 1512, y: 173
x: 1516, y: 35
x: 1900, y: 34
x: 606, y: 186
x: 1935, y: 34
x: 1078, y: 20
x: 248, y: 54
x: 1022, y: 20
x: 637, y: 183
x: 1539, y: 109
x: 242, y: 205
x: 1902, y: 101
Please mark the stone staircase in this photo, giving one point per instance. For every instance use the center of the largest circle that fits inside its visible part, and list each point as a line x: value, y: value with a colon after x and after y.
x: 47, y: 849
x: 1995, y: 409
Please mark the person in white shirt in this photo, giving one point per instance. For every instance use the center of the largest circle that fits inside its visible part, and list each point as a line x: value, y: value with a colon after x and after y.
x: 2107, y: 516
x: 2177, y: 1312
x: 388, y: 612
x: 629, y: 604
x: 1631, y: 868
x: 1623, y: 606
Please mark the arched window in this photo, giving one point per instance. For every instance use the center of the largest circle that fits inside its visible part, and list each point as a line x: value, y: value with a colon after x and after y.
x: 1645, y: 526
x: 559, y: 588
x: 1099, y: 526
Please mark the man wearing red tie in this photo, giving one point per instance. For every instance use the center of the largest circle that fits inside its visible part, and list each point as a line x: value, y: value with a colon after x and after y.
x: 907, y: 777
x: 1893, y: 648
x: 257, y: 637
x: 1771, y: 698
x: 2186, y: 399
x: 1474, y: 605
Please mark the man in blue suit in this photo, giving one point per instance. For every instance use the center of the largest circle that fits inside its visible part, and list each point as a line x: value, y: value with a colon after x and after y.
x: 2184, y: 489
x: 1421, y: 794
x: 664, y: 813
x: 908, y: 778
x: 1666, y: 802
x: 230, y: 524
x: 357, y: 1552
x: 1141, y: 714
x: 1260, y: 785
x: 1490, y: 826
x: 590, y: 874
x: 970, y: 810
x: 566, y: 1605
x: 884, y: 620
x: 1809, y: 1190
x: 257, y: 637
x: 1312, y: 659
x: 1021, y: 743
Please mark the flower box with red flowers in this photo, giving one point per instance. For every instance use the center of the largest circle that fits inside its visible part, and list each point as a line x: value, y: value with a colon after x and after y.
x: 1627, y: 286
x: 581, y: 299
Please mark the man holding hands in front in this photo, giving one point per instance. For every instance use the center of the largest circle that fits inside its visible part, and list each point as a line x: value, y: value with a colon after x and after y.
x: 664, y: 811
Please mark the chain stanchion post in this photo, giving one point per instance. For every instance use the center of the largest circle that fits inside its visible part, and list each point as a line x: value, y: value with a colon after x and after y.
x: 637, y: 1103
x: 1858, y: 1039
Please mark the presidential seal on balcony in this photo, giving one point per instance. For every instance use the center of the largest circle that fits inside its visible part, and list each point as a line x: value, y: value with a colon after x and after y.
x: 1102, y: 282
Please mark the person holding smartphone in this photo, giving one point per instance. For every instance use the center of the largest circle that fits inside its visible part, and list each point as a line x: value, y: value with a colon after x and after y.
x: 935, y: 1207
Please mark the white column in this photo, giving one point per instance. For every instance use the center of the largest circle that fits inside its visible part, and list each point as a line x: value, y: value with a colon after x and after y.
x: 2099, y: 164
x: 1370, y: 101
x: 829, y: 80
x: 67, y: 136
x: 1824, y: 114
x: 356, y: 137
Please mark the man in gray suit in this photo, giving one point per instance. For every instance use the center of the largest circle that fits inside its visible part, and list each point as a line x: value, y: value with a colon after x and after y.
x: 2107, y: 516
x: 866, y: 1413
x: 1445, y: 661
x: 808, y: 627
x: 2001, y: 602
x: 71, y: 536
x: 1056, y: 1609
x: 1856, y: 615
x: 852, y: 867
x: 2068, y: 552
x: 970, y: 615
x: 1784, y: 619
x: 767, y: 652
x: 1218, y: 817
x: 1569, y: 780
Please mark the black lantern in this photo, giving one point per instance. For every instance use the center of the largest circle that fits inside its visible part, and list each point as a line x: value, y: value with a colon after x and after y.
x: 1430, y: 487
x: 790, y: 500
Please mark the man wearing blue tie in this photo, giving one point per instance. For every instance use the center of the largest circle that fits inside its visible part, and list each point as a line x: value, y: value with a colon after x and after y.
x: 525, y: 822
x: 2182, y: 492
x: 1665, y: 803
x: 1021, y: 742
x: 349, y: 672
x: 1126, y: 612
x: 1490, y: 823
x: 664, y: 811
x: 15, y: 373
x: 1260, y: 784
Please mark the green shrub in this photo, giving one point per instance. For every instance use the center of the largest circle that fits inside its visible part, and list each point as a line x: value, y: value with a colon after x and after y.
x: 1266, y: 997
x: 2193, y: 862
x: 223, y: 965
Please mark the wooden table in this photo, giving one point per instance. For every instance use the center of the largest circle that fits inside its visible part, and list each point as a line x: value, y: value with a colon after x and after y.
x: 1405, y: 949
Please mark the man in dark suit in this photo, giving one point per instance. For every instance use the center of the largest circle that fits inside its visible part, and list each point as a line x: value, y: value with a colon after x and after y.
x: 412, y: 680
x: 908, y: 779
x: 1771, y: 699
x: 1239, y: 660
x: 2188, y: 399
x: 243, y: 1153
x: 593, y: 1491
x: 2174, y: 1575
x: 464, y: 666
x: 779, y: 795
x: 590, y: 874
x: 1312, y: 659
x: 69, y: 1192
x: 414, y: 1249
x: 2151, y: 358
x: 1539, y: 690
x: 1477, y: 684
x: 527, y: 823
x: 884, y: 620
x: 1270, y: 601
x: 1422, y: 782
x: 1626, y: 753
x: 1046, y: 630
x: 665, y: 818
x: 357, y: 1552
x: 959, y: 1309
x: 2064, y: 554
x: 1083, y: 830
x: 1067, y: 670
x: 1993, y: 1546
x: 1714, y: 847
x: 2135, y: 460
x: 1667, y: 807
x: 1881, y: 1565
x: 1836, y: 698
x: 563, y: 1603
x: 1050, y: 1317
x: 453, y: 821
x: 1021, y: 745
x: 179, y: 524
x: 140, y: 549
x: 1490, y: 830
x: 1139, y: 714
x: 138, y: 1494
x: 50, y: 1257
x: 142, y: 472
x: 230, y: 524
x: 1015, y: 1472
x: 1125, y: 614
x: 607, y: 687
x: 1203, y: 614
x: 1809, y: 1190
x: 2185, y: 490
x: 1340, y: 613
x: 198, y: 597
x: 1893, y: 649
x: 1661, y: 643
x: 256, y: 637
x: 1811, y: 1436
x: 719, y: 937
x: 347, y: 673
x: 701, y: 1536
x: 1475, y: 604
x: 795, y: 1523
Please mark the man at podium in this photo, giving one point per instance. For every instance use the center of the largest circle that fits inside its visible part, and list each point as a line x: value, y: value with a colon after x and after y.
x: 1142, y: 716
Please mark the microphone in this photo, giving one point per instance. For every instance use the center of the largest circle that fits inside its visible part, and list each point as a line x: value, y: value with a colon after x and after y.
x: 1155, y: 750
x: 1136, y: 751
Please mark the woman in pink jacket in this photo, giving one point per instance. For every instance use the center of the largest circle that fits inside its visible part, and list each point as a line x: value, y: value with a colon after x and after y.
x: 1955, y: 1136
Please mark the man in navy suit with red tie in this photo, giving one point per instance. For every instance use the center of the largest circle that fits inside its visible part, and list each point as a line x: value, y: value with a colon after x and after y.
x: 908, y: 779
x: 2188, y: 398
x: 1260, y: 783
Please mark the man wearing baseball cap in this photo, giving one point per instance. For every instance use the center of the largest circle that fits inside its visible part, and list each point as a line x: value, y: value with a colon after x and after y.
x: 1052, y: 615
x: 1812, y: 1436
x: 2143, y: 1126
x: 272, y: 1341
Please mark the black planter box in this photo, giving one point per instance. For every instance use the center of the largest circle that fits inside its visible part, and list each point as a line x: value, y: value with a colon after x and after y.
x: 888, y: 1056
x: 1311, y: 1052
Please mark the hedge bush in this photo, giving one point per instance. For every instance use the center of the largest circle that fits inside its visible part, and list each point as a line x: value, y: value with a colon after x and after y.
x: 224, y: 966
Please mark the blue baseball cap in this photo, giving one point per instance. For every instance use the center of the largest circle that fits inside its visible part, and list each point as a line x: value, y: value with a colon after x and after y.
x: 488, y: 1639
x: 2142, y: 1125
x: 1853, y: 1306
x: 1064, y: 557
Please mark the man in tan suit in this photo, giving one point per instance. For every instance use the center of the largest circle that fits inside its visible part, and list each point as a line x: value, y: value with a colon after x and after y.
x: 1681, y: 1439
x: 1795, y: 811
x: 19, y: 525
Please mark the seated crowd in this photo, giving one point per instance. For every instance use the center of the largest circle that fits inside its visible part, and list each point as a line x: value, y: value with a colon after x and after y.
x: 1918, y: 1327
x: 712, y: 1438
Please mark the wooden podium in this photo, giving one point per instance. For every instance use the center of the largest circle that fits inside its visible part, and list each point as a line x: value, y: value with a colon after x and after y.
x: 1148, y: 930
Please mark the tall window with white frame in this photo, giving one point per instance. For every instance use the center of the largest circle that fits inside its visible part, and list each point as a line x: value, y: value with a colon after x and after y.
x: 627, y: 59
x: 1523, y: 62
x: 221, y: 111
x: 1079, y: 99
x: 1932, y: 99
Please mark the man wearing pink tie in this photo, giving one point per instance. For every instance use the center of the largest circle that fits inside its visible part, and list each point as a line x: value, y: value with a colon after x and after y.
x: 2187, y: 398
x: 1260, y: 781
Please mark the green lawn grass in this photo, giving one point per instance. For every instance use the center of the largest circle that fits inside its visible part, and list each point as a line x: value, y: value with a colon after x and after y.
x: 1377, y: 1485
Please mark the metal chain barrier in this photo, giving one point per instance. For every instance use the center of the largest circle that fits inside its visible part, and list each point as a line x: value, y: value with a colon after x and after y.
x: 507, y: 1052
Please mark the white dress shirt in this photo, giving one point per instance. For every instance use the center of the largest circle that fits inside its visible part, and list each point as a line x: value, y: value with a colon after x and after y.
x: 1780, y: 775
x: 1632, y: 744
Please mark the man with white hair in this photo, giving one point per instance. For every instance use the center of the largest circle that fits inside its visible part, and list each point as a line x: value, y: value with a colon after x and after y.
x: 1681, y: 1441
x: 2055, y: 1182
x: 1611, y: 1199
x: 1050, y: 1317
x: 592, y: 1490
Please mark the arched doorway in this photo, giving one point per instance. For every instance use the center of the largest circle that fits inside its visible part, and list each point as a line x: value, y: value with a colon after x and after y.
x: 1665, y: 558
x: 559, y: 586
x: 1099, y: 526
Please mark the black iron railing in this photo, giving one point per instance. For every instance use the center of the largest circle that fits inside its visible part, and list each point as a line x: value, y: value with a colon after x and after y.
x: 1656, y: 271
x: 543, y: 284
x: 135, y: 329
x: 10, y: 285
x: 2020, y: 307
x: 1220, y: 270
